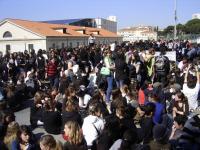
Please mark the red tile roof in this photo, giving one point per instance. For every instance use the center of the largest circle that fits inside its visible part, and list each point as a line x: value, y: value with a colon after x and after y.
x: 49, y: 30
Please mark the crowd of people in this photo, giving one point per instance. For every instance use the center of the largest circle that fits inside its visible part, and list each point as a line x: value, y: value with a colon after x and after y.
x: 102, y: 98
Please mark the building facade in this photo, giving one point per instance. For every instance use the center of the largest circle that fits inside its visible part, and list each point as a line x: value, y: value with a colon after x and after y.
x: 109, y: 24
x: 20, y: 35
x: 196, y: 16
x: 132, y: 34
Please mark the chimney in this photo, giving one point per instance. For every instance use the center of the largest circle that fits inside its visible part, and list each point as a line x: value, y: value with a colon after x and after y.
x: 62, y: 30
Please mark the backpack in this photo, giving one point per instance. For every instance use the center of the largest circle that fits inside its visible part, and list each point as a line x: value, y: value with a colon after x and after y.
x: 30, y: 83
x: 41, y: 62
x: 160, y: 63
x: 96, y: 141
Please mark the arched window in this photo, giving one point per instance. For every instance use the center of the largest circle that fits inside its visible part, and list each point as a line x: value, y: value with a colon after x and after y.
x: 7, y: 34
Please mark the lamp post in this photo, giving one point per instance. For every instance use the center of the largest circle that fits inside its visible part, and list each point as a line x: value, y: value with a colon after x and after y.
x: 175, y: 19
x: 25, y: 42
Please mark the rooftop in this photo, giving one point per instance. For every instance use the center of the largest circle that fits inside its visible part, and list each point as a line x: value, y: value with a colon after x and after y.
x: 49, y: 30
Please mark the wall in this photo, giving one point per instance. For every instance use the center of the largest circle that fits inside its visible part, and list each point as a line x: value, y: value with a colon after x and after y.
x: 20, y: 38
x: 134, y: 36
x: 75, y: 41
x: 46, y: 45
x: 101, y: 40
x: 67, y: 42
x: 17, y: 32
x: 18, y: 45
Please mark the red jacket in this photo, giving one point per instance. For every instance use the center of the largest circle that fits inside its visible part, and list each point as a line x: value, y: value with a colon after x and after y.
x: 141, y: 97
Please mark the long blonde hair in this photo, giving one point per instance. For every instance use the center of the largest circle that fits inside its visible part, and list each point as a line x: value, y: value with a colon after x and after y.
x: 11, y: 133
x: 75, y: 134
x: 49, y: 142
x: 38, y: 97
x: 125, y: 89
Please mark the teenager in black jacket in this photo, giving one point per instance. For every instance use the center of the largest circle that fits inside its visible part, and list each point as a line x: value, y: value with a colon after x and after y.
x: 71, y: 113
x: 52, y: 118
x: 37, y: 110
x: 121, y: 71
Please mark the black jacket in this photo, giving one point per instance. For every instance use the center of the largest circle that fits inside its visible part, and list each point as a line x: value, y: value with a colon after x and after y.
x: 147, y: 129
x: 121, y: 69
x: 52, y: 122
x: 71, y: 116
x: 35, y: 115
x: 81, y: 146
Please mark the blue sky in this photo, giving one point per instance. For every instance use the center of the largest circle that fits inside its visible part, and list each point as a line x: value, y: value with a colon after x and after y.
x: 128, y: 12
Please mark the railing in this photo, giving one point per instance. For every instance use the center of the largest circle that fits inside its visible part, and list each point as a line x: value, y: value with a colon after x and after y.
x: 192, y: 37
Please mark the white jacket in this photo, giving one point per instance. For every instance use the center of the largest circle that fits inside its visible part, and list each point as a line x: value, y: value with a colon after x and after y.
x: 89, y: 131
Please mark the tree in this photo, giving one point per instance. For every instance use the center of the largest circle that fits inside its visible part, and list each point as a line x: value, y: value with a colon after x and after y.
x: 193, y: 26
x: 180, y: 28
x: 169, y: 30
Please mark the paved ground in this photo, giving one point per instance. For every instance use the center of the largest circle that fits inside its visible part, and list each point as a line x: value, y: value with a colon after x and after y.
x: 23, y: 117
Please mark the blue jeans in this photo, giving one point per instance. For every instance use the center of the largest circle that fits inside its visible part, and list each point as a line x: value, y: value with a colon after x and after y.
x: 109, y: 88
x: 119, y: 83
x: 54, y: 82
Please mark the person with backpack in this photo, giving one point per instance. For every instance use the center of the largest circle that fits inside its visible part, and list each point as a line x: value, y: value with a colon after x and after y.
x: 107, y: 72
x: 149, y: 61
x: 93, y: 124
x: 161, y: 67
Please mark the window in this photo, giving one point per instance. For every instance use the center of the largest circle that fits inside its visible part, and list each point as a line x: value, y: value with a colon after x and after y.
x: 77, y: 44
x: 30, y: 46
x: 84, y: 43
x: 8, y: 47
x: 63, y: 45
x: 53, y: 45
x: 7, y: 34
x: 70, y: 44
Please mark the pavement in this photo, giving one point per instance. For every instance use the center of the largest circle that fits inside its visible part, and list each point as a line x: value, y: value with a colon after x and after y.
x: 23, y: 118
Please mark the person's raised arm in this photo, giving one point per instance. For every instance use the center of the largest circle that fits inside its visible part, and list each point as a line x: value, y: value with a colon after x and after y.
x: 198, y: 78
x: 186, y: 74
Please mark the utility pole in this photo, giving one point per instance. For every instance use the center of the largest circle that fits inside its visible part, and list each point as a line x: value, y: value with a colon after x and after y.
x: 175, y: 19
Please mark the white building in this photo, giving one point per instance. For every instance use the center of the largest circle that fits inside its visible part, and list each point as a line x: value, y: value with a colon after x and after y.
x: 18, y: 35
x: 109, y: 24
x: 196, y: 16
x: 132, y: 34
x: 112, y: 18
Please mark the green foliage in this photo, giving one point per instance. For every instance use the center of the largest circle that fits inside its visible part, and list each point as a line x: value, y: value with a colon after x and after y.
x: 180, y: 28
x: 169, y: 29
x: 193, y: 22
x: 191, y: 27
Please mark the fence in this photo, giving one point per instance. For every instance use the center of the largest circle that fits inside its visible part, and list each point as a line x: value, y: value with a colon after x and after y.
x: 192, y: 37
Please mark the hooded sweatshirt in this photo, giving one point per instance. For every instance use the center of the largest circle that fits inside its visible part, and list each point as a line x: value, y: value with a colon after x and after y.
x: 92, y: 127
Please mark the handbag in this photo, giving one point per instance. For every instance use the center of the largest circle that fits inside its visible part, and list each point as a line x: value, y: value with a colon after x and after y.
x: 105, y: 71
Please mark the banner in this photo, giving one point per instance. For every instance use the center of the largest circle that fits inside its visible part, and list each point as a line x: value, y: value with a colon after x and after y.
x: 171, y: 55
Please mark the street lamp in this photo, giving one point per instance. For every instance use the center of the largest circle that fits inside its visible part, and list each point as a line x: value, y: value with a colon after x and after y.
x: 25, y: 42
x: 175, y: 19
